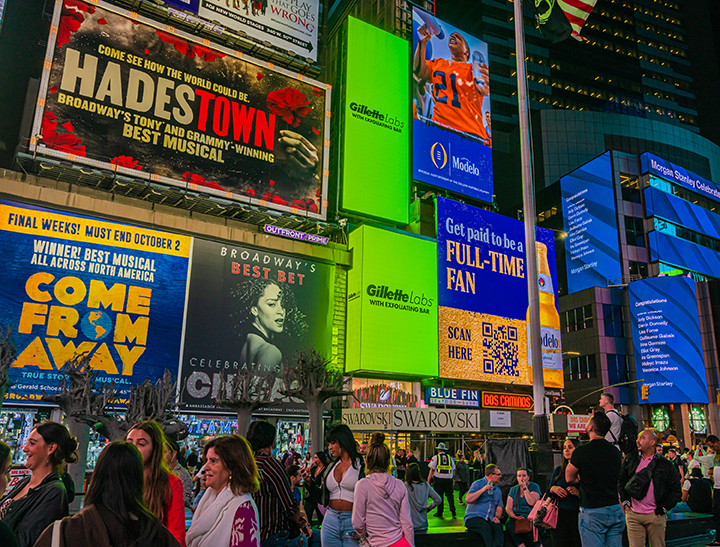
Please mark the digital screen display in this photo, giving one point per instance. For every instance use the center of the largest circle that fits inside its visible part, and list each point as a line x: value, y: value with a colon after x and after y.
x: 452, y: 129
x: 681, y: 212
x: 592, y: 250
x: 683, y: 254
x: 669, y: 171
x: 392, y: 317
x: 666, y: 338
x: 483, y: 297
x: 376, y: 145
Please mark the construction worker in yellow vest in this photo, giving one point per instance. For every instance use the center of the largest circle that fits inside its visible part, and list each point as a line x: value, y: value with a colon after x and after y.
x: 442, y: 469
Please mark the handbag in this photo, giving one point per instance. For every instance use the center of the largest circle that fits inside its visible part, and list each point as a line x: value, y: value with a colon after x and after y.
x: 522, y: 525
x: 637, y: 486
x: 544, y: 513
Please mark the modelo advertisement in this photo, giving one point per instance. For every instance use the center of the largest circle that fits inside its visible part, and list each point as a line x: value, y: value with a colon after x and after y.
x: 392, y: 304
x: 669, y: 171
x: 120, y: 94
x: 77, y: 285
x: 376, y: 141
x: 592, y: 250
x: 288, y: 24
x: 483, y: 298
x: 452, y: 134
x: 251, y: 311
x: 666, y: 338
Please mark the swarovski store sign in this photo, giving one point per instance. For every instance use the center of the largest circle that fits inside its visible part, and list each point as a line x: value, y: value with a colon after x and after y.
x: 411, y: 419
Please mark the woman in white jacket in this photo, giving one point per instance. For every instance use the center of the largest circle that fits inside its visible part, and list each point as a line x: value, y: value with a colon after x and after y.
x: 227, y: 515
x: 380, y: 511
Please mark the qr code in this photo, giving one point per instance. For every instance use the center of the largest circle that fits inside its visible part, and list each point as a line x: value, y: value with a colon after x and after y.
x: 500, y: 349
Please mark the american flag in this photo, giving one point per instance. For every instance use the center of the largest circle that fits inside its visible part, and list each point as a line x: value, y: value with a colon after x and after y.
x: 577, y: 12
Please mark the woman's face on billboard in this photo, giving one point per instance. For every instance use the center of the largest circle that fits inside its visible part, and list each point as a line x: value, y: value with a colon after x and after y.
x: 269, y: 311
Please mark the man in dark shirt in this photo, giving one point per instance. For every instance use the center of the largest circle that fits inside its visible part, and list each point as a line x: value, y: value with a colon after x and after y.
x: 277, y: 506
x: 596, y: 466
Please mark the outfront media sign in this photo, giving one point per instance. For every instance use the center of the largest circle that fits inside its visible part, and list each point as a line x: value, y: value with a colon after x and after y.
x: 452, y: 135
x: 128, y: 94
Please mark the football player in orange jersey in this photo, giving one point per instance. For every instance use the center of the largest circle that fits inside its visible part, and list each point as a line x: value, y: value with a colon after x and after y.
x: 457, y: 93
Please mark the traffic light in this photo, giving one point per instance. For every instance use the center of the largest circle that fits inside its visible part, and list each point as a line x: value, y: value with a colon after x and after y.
x: 645, y: 392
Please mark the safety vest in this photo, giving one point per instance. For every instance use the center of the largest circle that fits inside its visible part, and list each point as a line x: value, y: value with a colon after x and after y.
x: 444, y: 464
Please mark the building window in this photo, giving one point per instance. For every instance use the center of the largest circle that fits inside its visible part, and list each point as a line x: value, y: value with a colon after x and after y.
x: 580, y: 368
x: 617, y: 366
x: 612, y: 316
x: 639, y: 269
x: 630, y: 188
x: 577, y: 319
x: 634, y: 231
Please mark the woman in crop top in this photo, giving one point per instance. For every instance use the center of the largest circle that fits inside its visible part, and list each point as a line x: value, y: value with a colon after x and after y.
x: 341, y: 476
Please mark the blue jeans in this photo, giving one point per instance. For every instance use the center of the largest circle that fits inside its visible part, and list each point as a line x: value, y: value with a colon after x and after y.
x: 601, y: 527
x: 337, y: 529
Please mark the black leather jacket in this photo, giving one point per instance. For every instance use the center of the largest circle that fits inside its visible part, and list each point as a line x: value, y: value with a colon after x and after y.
x: 665, y: 480
x: 43, y: 505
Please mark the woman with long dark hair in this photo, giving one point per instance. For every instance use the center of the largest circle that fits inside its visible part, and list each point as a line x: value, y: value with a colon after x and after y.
x: 566, y: 533
x: 227, y: 515
x: 418, y: 494
x: 163, y: 492
x: 339, y: 480
x: 268, y: 314
x: 42, y: 497
x: 381, y: 512
x: 314, y: 486
x: 114, y: 513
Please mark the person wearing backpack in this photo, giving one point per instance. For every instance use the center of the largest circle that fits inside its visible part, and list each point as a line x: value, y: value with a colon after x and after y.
x: 649, y: 487
x: 607, y: 403
x: 624, y: 428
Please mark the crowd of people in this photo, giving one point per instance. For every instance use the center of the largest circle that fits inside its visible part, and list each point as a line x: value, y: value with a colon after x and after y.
x: 242, y: 495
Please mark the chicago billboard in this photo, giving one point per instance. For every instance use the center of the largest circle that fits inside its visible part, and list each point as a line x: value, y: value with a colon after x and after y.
x: 251, y: 310
x: 592, y: 249
x: 375, y: 180
x: 452, y: 134
x: 128, y: 94
x: 392, y: 304
x: 666, y: 338
x: 74, y: 284
x: 288, y: 24
x: 483, y: 299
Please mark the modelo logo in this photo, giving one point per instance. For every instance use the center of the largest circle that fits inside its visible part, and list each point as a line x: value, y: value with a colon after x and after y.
x: 376, y: 114
x: 463, y: 164
x: 549, y: 341
x: 398, y: 295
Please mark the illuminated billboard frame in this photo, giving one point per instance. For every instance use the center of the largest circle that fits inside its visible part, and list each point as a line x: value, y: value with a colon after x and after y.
x: 190, y: 46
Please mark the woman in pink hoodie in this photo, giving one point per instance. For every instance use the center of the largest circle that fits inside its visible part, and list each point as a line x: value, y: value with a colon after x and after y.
x: 381, y: 512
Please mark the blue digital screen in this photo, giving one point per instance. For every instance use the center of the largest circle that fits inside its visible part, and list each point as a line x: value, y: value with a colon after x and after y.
x: 189, y: 5
x: 669, y: 171
x: 452, y: 134
x: 666, y: 336
x: 683, y: 254
x: 592, y: 250
x: 681, y: 212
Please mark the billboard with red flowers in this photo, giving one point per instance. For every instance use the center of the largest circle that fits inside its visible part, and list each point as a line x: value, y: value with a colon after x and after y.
x: 125, y: 93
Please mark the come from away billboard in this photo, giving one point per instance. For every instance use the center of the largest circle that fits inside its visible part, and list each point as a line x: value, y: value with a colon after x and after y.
x: 74, y: 284
x: 128, y: 94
